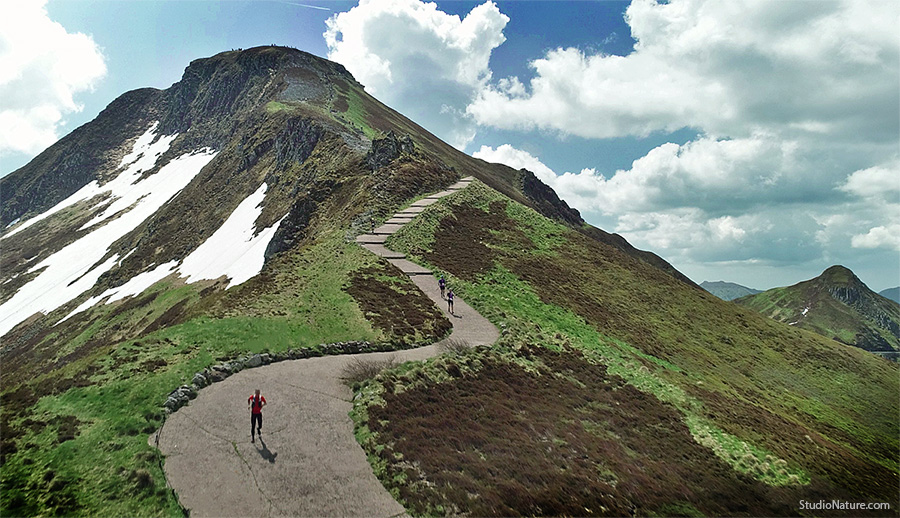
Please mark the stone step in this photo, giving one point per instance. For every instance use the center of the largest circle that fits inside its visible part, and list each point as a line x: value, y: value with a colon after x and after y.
x: 399, y: 220
x: 462, y: 184
x: 441, y: 194
x: 409, y: 267
x: 387, y: 229
x: 424, y: 202
x: 381, y: 251
x: 412, y: 211
x: 371, y: 238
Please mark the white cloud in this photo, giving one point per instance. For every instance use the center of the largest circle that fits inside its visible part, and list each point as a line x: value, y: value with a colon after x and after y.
x: 42, y: 68
x: 719, y: 176
x: 797, y: 107
x: 728, y: 68
x: 517, y: 159
x: 751, y: 201
x: 879, y: 237
x: 878, y: 182
x: 419, y: 60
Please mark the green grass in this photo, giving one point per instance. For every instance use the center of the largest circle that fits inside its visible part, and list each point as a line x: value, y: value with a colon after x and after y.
x: 356, y: 112
x: 106, y: 467
x: 775, y: 403
x: 275, y: 107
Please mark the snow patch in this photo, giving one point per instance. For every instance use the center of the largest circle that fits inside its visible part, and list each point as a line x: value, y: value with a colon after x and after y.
x: 85, y: 193
x: 71, y: 271
x: 134, y: 286
x: 143, y: 156
x: 13, y: 222
x: 127, y: 188
x: 233, y: 250
x: 805, y: 310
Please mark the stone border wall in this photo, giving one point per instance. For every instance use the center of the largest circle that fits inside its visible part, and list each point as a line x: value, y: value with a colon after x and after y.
x: 183, y: 394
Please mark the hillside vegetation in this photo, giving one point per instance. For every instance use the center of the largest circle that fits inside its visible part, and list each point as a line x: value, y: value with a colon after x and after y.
x: 616, y: 389
x: 614, y: 375
x: 836, y: 305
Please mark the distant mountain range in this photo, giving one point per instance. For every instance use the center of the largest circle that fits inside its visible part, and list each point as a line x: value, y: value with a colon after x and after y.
x: 727, y: 290
x: 835, y: 304
x: 891, y: 293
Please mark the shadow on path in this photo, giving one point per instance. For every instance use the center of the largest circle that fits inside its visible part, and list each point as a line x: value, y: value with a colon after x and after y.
x: 265, y: 453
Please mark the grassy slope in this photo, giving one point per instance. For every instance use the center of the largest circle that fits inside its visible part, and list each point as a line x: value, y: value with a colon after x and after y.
x: 779, y: 404
x: 827, y: 316
x: 79, y: 397
x: 80, y: 426
x: 829, y: 319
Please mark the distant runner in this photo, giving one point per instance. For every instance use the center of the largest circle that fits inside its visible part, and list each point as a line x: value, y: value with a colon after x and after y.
x: 255, y: 404
x: 450, y: 301
x: 443, y: 284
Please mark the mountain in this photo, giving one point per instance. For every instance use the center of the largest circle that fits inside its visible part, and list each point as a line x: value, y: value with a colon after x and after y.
x: 727, y: 290
x: 837, y: 305
x: 187, y: 227
x: 891, y: 294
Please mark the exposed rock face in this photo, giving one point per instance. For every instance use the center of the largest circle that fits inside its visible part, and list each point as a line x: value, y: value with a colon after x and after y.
x: 548, y: 202
x: 293, y: 226
x: 386, y: 150
x: 296, y: 142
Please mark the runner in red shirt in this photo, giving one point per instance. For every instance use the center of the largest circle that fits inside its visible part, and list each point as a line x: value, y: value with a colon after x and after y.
x: 255, y: 404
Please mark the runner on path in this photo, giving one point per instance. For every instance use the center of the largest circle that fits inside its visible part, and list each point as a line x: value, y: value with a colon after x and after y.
x: 450, y: 301
x: 255, y: 404
x: 443, y: 284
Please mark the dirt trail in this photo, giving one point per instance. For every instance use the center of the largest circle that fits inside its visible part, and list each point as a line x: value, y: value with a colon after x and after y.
x: 307, y: 462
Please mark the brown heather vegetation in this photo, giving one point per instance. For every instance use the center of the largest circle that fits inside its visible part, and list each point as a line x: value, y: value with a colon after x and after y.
x: 507, y: 441
x: 396, y: 308
x: 566, y: 440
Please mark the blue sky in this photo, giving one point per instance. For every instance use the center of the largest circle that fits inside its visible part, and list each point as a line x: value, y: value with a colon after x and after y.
x: 752, y: 142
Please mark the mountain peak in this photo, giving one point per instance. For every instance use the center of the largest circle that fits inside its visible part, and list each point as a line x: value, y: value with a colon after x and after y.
x: 836, y: 304
x: 265, y: 60
x: 840, y: 275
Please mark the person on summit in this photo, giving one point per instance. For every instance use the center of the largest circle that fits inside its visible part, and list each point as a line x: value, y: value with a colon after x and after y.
x: 255, y: 404
x: 450, y: 301
x: 442, y: 284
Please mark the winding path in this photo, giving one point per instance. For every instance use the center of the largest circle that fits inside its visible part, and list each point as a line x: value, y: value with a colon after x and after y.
x: 307, y: 462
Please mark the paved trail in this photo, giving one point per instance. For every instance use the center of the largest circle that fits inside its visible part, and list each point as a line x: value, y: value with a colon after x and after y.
x: 307, y: 462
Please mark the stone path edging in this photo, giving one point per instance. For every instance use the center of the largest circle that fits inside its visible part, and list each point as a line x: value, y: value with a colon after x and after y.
x: 307, y: 462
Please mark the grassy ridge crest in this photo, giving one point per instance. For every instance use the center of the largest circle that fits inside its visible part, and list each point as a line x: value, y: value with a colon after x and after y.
x: 773, y: 403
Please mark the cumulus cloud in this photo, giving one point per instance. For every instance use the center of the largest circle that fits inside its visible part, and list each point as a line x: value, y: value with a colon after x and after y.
x: 877, y: 189
x: 517, y: 159
x: 754, y: 201
x: 881, y: 182
x: 879, y: 237
x: 729, y: 68
x: 796, y: 106
x: 419, y: 60
x: 718, y: 176
x: 42, y: 68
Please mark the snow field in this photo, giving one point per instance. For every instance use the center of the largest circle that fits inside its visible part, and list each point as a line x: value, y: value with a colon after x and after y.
x: 74, y: 269
x: 235, y: 250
